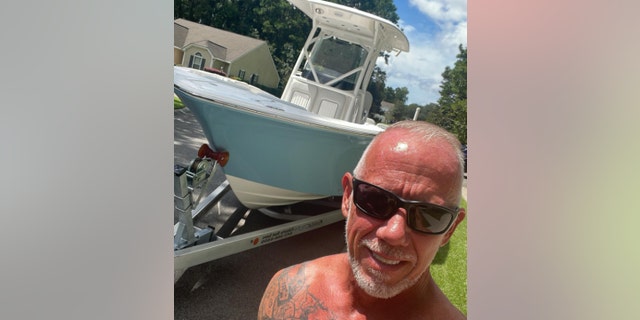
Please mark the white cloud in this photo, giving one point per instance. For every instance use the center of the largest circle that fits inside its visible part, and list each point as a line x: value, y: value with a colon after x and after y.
x: 420, y: 69
x: 455, y: 35
x: 442, y: 10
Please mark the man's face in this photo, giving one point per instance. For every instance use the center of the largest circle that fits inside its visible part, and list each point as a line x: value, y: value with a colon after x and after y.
x: 386, y: 256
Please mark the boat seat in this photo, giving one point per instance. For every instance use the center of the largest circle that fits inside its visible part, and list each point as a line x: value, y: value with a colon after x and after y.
x: 318, y: 100
x: 301, y: 94
x: 329, y: 104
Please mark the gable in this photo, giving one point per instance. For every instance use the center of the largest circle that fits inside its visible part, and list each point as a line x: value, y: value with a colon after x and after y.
x: 179, y: 35
x: 223, y: 44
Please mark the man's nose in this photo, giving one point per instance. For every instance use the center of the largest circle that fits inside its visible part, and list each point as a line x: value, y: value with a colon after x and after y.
x: 394, y: 230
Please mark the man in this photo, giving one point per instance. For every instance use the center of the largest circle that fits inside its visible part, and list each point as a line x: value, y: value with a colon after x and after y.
x: 401, y: 206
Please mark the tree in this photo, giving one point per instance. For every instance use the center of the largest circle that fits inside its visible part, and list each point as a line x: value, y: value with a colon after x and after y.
x: 376, y: 88
x: 397, y: 96
x: 382, y: 8
x: 454, y: 82
x: 452, y: 111
x: 286, y: 29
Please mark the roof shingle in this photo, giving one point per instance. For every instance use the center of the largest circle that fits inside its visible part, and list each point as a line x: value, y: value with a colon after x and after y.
x: 223, y: 44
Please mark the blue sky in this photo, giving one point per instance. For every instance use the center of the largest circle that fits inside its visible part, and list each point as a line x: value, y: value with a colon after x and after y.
x: 434, y: 28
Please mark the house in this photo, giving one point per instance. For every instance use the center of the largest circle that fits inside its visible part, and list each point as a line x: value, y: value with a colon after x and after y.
x: 385, y: 106
x: 199, y: 46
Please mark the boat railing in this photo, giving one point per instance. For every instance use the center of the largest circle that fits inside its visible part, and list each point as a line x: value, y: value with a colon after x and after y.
x: 329, y: 77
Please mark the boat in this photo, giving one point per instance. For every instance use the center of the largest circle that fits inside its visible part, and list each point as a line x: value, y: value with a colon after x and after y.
x: 297, y: 147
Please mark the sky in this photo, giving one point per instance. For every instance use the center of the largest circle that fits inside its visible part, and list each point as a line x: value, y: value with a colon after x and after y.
x: 435, y: 29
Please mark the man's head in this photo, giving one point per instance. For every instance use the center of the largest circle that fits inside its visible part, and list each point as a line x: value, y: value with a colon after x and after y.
x: 413, y: 161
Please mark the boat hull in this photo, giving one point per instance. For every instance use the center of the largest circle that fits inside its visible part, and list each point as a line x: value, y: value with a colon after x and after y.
x: 278, y: 153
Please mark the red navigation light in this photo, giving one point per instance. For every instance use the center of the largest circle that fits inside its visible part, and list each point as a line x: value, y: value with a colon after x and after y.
x: 221, y: 156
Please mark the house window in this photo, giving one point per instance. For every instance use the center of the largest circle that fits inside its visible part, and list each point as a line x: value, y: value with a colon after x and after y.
x: 196, y: 61
x: 253, y: 79
x: 241, y: 74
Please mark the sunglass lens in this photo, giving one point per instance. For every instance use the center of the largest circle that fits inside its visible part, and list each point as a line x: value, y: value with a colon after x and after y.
x: 429, y: 220
x: 374, y: 201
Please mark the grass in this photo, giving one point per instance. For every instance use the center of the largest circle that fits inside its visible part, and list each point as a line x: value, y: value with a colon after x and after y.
x: 177, y: 104
x: 449, y: 267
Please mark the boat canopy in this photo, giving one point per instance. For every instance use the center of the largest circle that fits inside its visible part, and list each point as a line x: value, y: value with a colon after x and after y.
x: 333, y: 70
x: 355, y: 22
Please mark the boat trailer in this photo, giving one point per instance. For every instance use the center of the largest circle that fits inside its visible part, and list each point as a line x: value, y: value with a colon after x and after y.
x: 194, y: 245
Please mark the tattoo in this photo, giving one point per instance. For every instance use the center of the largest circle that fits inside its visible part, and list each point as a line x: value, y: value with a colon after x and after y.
x: 288, y: 297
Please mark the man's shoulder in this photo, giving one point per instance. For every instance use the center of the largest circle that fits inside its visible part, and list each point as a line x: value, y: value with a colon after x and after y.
x: 297, y: 291
x: 313, y: 272
x: 334, y: 261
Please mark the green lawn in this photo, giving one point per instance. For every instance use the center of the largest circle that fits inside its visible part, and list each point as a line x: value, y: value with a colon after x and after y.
x: 177, y: 104
x: 449, y: 268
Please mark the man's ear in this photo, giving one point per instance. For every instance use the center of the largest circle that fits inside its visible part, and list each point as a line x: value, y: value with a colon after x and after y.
x: 461, y: 214
x: 347, y: 188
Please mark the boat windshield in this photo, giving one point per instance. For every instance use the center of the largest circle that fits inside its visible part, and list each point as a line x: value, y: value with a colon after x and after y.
x: 336, y: 62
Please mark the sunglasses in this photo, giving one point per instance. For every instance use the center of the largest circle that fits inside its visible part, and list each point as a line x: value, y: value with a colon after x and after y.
x: 382, y: 204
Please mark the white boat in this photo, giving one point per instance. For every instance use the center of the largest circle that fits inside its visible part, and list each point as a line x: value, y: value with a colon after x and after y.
x: 296, y: 148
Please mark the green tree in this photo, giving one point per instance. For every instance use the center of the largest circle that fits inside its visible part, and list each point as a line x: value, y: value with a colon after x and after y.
x: 454, y: 81
x: 376, y: 88
x: 411, y: 112
x: 233, y: 15
x: 452, y: 111
x: 432, y: 112
x: 382, y: 8
x: 285, y: 29
x: 397, y: 96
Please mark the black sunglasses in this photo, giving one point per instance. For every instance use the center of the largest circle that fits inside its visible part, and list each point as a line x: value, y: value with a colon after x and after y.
x: 383, y: 204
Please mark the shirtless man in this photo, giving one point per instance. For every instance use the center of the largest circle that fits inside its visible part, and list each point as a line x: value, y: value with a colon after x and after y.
x: 401, y: 206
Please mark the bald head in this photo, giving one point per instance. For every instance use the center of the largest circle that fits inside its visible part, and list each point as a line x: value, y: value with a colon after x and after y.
x: 419, y: 148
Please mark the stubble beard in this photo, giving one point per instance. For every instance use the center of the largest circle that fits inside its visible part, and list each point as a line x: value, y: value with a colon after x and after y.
x: 372, y: 281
